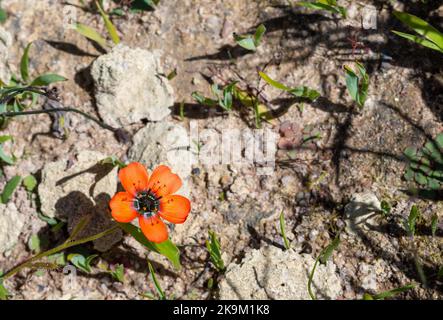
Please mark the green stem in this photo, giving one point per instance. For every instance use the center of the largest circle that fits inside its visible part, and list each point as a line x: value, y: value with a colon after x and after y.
x: 24, y: 113
x: 61, y: 247
x: 311, y: 276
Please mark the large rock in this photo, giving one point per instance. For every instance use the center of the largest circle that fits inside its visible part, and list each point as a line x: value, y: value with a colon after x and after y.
x: 271, y: 273
x: 11, y: 225
x: 70, y: 190
x: 129, y: 86
x: 164, y: 143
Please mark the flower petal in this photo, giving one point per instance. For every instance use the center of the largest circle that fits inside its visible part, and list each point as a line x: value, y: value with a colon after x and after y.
x: 134, y: 177
x: 175, y: 208
x: 121, y: 207
x: 153, y: 228
x: 163, y: 182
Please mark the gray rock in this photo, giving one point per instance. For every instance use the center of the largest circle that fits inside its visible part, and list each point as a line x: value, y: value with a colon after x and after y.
x: 164, y: 143
x: 70, y: 190
x: 270, y: 273
x: 129, y: 87
x: 11, y: 225
x: 361, y: 210
x: 5, y: 43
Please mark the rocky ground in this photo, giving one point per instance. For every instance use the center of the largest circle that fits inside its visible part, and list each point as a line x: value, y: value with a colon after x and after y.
x: 332, y: 184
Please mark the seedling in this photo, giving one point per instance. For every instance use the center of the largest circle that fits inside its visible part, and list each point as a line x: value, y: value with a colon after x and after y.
x: 94, y: 35
x: 9, y: 189
x: 283, y: 231
x: 301, y: 91
x: 251, y: 42
x: 357, y: 83
x: 213, y: 246
x: 388, y: 294
x: 410, y: 223
x: 428, y: 36
x: 328, y: 5
x: 82, y: 262
x: 159, y: 289
x: 323, y: 257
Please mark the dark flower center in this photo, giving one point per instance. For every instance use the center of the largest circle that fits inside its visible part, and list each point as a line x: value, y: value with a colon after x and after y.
x: 146, y: 203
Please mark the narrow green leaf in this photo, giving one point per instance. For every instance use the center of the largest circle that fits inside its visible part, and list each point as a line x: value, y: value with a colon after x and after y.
x: 327, y: 253
x: 5, y: 158
x: 393, y: 292
x: 48, y: 220
x: 156, y: 283
x: 109, y: 25
x: 434, y: 224
x: 272, y: 82
x: 301, y: 91
x: 3, y: 15
x: 283, y: 230
x: 91, y: 34
x: 422, y: 41
x: 10, y: 187
x: 261, y: 29
x: 421, y: 27
x: 47, y: 79
x: 24, y: 63
x: 79, y: 227
x: 166, y: 248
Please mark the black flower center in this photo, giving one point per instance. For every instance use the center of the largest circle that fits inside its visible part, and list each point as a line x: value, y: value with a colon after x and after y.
x: 146, y: 203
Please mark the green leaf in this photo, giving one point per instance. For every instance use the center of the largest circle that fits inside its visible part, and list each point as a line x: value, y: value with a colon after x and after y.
x: 81, y: 262
x: 5, y: 158
x: 213, y: 246
x: 357, y: 85
x: 3, y: 15
x: 91, y: 34
x: 283, y: 230
x: 424, y: 42
x: 327, y: 253
x: 30, y: 183
x: 324, y: 5
x: 48, y: 220
x: 156, y: 283
x: 421, y: 27
x: 5, y: 138
x: 434, y: 224
x: 47, y: 79
x: 10, y: 187
x: 203, y: 100
x: 34, y: 243
x: 109, y: 26
x: 119, y: 273
x: 166, y: 248
x: 24, y: 63
x: 412, y: 218
x: 261, y: 29
x: 393, y: 292
x: 301, y: 91
x: 4, y: 294
x: 79, y: 227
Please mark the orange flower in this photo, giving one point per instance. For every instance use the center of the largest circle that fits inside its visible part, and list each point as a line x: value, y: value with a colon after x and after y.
x: 148, y: 199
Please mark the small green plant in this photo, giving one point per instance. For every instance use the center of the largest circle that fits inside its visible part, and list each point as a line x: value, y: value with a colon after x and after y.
x: 118, y: 273
x: 357, y: 83
x: 328, y: 5
x: 251, y: 42
x: 29, y: 182
x: 94, y: 35
x: 223, y: 96
x: 385, y: 208
x: 4, y: 293
x: 323, y: 258
x: 388, y: 294
x: 213, y: 246
x: 82, y: 262
x: 426, y: 164
x: 9, y: 189
x: 410, y: 223
x: 428, y: 36
x: 159, y: 289
x: 283, y: 231
x: 301, y: 91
